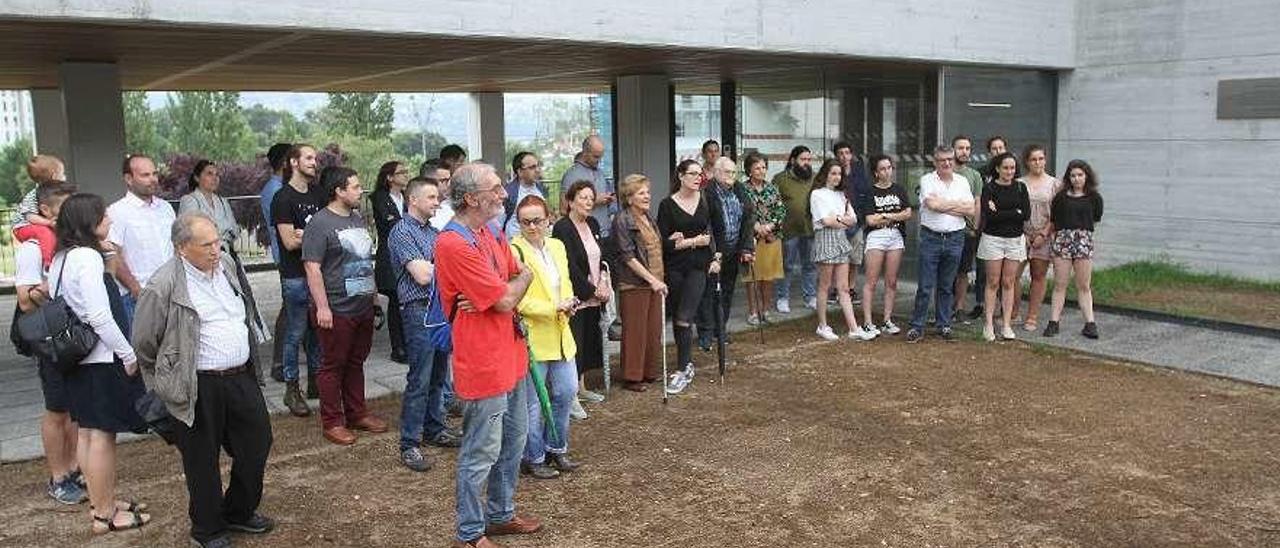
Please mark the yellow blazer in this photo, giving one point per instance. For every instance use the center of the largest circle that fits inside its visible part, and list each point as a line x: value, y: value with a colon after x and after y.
x: 549, y: 335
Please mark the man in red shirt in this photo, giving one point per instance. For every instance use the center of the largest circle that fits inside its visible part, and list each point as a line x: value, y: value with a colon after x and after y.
x: 480, y: 285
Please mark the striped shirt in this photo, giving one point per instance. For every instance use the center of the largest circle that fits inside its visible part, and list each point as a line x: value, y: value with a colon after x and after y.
x: 224, y: 335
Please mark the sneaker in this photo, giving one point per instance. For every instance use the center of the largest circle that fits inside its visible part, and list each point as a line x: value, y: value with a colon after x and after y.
x: 811, y: 303
x: 827, y: 333
x: 538, y: 470
x: 832, y: 301
x: 988, y: 333
x: 784, y: 306
x: 947, y: 334
x: 257, y: 524
x: 890, y: 327
x: 677, y: 383
x: 688, y: 372
x: 1007, y: 333
x: 78, y: 477
x: 445, y: 439
x: 589, y: 396
x: 914, y: 335
x: 976, y: 312
x: 861, y: 335
x: 576, y: 411
x: 853, y: 296
x: 1090, y: 330
x: 66, y: 491
x: 871, y: 328
x: 1051, y: 329
x: 753, y: 320
x: 413, y: 459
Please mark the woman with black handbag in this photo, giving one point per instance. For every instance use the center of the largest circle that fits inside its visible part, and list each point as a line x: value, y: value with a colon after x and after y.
x: 106, y: 383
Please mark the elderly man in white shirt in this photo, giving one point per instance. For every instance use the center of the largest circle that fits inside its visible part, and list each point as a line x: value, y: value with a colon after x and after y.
x: 139, y: 229
x: 945, y: 201
x: 196, y: 335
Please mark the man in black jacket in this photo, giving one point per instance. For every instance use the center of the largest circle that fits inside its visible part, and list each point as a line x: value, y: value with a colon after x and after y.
x: 732, y: 221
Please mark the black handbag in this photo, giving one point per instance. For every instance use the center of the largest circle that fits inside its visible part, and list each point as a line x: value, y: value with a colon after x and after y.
x: 157, y: 417
x: 55, y: 335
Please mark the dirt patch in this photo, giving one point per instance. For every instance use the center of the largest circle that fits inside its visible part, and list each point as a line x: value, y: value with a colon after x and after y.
x: 808, y: 444
x: 1253, y: 307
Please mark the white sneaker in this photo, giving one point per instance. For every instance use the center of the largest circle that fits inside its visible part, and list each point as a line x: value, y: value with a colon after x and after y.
x: 591, y: 397
x: 861, y: 335
x: 891, y: 328
x: 784, y: 306
x: 576, y: 411
x: 677, y: 383
x: 1008, y: 334
x: 825, y: 332
x: 871, y: 328
x: 811, y: 303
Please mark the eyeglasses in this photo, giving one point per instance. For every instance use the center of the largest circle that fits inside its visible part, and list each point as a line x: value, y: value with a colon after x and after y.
x: 533, y: 222
x: 694, y: 173
x: 401, y: 172
x: 534, y: 166
x: 944, y: 160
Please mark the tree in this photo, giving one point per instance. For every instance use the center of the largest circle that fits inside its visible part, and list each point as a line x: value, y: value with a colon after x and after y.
x: 367, y: 115
x: 14, y: 182
x: 209, y: 124
x: 417, y: 144
x: 271, y: 126
x: 140, y: 133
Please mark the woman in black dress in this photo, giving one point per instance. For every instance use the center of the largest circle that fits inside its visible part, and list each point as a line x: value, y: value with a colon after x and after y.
x: 689, y: 254
x: 588, y: 272
x: 388, y: 206
x: 106, y: 383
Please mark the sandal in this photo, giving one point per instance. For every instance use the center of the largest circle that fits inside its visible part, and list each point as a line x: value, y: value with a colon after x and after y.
x: 127, y: 506
x: 136, y: 523
x: 1030, y: 325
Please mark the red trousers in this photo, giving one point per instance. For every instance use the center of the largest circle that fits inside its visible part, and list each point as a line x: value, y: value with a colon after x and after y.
x: 343, y: 350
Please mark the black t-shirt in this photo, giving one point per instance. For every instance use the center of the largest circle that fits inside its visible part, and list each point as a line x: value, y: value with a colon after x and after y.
x: 671, y: 219
x: 295, y: 208
x: 1075, y: 212
x: 889, y: 200
x: 1013, y: 208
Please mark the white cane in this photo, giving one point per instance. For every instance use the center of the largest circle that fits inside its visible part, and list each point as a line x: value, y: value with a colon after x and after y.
x: 663, y: 349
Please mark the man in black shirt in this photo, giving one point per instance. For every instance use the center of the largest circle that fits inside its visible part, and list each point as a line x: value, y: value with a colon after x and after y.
x: 291, y: 210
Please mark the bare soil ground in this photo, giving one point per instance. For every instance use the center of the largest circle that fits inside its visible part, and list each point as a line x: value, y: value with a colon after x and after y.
x: 1253, y: 307
x: 809, y: 444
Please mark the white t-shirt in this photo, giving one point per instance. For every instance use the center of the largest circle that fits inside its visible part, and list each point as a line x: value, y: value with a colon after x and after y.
x: 142, y: 231
x: 28, y: 264
x: 443, y: 215
x: 957, y: 189
x: 825, y: 202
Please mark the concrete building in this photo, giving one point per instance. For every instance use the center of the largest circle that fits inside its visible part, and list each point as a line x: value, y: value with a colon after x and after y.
x: 1168, y: 99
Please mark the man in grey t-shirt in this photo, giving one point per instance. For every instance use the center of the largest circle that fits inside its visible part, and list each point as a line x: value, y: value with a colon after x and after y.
x: 586, y: 167
x: 337, y: 255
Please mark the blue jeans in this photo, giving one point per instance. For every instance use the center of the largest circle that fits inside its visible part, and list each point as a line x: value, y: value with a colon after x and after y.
x: 129, y: 305
x: 939, y: 261
x: 493, y: 436
x: 797, y: 258
x: 562, y: 387
x: 446, y: 393
x: 422, y: 407
x: 297, y: 331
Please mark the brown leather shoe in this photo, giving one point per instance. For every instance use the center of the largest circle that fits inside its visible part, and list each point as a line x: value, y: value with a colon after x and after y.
x: 340, y: 435
x: 369, y: 423
x: 482, y: 542
x: 519, y: 525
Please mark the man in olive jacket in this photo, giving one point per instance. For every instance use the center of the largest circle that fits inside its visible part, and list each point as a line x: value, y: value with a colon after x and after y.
x: 196, y: 333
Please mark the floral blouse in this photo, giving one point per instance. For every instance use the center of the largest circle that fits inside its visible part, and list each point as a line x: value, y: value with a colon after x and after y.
x: 768, y: 202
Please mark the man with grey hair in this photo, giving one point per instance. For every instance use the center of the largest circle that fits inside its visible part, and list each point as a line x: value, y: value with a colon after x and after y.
x: 480, y: 284
x: 732, y: 225
x: 945, y: 202
x: 197, y: 341
x: 586, y: 167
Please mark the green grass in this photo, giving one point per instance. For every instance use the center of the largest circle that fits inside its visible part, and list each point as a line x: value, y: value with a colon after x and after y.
x: 1160, y: 272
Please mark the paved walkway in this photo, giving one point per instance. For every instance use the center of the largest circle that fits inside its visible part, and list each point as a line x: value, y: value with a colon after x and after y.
x: 1245, y: 357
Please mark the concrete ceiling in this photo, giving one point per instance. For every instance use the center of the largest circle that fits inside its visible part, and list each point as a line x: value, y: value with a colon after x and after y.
x: 168, y: 57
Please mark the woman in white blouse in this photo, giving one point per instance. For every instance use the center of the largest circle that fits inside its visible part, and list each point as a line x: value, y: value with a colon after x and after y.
x: 832, y: 214
x: 106, y: 384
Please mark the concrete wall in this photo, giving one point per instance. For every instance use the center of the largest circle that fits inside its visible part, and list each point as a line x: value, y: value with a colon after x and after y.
x: 1030, y: 32
x: 1141, y: 108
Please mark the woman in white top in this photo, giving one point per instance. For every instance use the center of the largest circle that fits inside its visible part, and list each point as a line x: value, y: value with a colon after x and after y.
x: 105, y: 385
x: 832, y: 214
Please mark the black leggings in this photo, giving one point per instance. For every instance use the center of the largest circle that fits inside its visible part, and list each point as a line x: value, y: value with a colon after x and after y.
x: 684, y: 296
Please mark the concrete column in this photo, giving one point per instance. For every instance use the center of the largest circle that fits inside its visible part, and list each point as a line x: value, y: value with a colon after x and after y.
x: 644, y: 131
x: 94, y: 126
x: 50, y: 122
x: 486, y: 131
x: 729, y: 120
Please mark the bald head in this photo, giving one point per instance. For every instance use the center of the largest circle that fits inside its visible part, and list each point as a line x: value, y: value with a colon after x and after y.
x: 725, y: 171
x: 592, y: 151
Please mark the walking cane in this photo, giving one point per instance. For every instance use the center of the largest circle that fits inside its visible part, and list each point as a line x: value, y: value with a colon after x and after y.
x: 663, y: 348
x: 719, y: 318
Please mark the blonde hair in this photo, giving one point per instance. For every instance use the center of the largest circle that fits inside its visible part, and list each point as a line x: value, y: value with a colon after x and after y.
x: 630, y: 186
x: 43, y: 168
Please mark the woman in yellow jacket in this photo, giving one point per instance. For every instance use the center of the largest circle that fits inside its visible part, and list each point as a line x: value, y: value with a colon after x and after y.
x: 546, y: 308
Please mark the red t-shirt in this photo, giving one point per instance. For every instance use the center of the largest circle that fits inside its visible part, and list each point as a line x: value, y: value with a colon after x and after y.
x: 489, y: 358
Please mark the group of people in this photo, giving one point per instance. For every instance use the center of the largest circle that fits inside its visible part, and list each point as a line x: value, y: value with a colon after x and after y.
x: 498, y: 304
